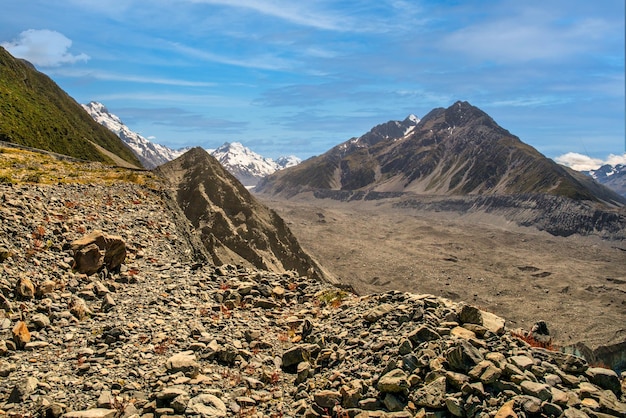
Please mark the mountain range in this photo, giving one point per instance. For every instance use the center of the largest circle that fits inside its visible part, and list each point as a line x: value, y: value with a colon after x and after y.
x: 150, y: 154
x: 246, y: 165
x: 612, y: 176
x: 458, y: 151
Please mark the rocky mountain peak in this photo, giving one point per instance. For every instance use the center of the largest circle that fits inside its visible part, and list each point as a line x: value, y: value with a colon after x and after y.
x: 233, y: 226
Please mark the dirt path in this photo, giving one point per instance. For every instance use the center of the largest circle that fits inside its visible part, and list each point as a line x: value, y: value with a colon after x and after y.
x: 577, y: 285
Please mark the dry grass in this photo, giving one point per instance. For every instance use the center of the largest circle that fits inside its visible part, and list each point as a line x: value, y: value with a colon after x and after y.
x: 26, y: 167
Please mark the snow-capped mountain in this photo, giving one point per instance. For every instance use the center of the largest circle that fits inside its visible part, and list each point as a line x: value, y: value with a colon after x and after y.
x: 612, y: 176
x: 150, y: 154
x: 248, y: 166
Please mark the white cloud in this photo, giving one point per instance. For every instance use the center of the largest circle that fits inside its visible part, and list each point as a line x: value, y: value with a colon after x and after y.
x: 581, y: 162
x: 44, y: 48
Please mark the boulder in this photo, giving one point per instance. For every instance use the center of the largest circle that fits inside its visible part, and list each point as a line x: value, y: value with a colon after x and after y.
x: 96, y: 249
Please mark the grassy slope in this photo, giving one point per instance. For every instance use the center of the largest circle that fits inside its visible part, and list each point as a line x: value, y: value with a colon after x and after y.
x: 35, y: 112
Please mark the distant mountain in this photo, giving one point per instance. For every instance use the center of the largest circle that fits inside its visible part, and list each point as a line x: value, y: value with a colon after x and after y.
x: 150, y: 154
x: 455, y: 151
x: 612, y: 176
x: 36, y: 112
x: 248, y: 166
x: 234, y: 227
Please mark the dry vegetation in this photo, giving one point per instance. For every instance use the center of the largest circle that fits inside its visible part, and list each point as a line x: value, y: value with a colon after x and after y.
x: 19, y: 166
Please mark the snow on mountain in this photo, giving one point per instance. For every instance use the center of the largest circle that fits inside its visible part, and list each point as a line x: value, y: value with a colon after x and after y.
x: 248, y: 166
x: 149, y: 153
x: 288, y: 161
x: 612, y: 176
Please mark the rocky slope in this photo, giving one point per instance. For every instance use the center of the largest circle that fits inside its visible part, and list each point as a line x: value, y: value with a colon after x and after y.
x: 163, y: 335
x: 233, y: 226
x: 36, y: 112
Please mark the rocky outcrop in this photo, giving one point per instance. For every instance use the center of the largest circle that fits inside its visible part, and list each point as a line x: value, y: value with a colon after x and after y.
x: 233, y: 226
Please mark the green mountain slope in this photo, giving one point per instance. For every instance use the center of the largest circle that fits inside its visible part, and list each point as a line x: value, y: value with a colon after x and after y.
x: 36, y: 112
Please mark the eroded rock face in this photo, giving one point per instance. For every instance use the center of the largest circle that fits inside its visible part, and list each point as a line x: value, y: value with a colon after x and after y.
x: 233, y: 226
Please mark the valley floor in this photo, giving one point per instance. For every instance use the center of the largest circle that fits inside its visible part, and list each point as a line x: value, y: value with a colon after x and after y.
x: 576, y: 284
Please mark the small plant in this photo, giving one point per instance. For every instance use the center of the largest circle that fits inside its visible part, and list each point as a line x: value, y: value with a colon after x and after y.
x: 533, y: 342
x: 334, y: 297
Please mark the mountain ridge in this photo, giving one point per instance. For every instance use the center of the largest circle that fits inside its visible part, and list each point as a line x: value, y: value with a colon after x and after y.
x: 459, y: 150
x: 36, y: 112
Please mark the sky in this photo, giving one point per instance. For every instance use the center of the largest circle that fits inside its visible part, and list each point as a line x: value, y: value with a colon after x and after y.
x: 288, y: 77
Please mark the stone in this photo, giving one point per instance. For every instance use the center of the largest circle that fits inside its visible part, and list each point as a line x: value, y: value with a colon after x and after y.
x: 455, y: 406
x: 40, y: 321
x: 24, y: 289
x: 463, y: 357
x: 393, y: 382
x: 6, y: 368
x: 461, y: 332
x: 22, y: 389
x: 538, y: 390
x: 109, y: 251
x: 327, y: 398
x: 393, y: 403
x: 92, y: 413
x: 21, y: 335
x: 295, y: 356
x: 88, y: 259
x: 506, y: 410
x: 206, y: 406
x: 183, y: 362
x: 378, y: 312
x: 422, y: 334
x: 529, y: 404
x: 108, y: 303
x: 432, y: 395
x: 470, y: 315
x: 522, y: 362
x: 605, y: 378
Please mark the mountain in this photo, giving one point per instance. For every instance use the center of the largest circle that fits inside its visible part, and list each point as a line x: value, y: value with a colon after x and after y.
x: 455, y: 151
x: 150, y: 154
x: 36, y: 112
x: 612, y: 176
x: 233, y: 226
x: 248, y: 166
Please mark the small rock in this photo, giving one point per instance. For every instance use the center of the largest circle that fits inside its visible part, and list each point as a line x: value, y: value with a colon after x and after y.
x: 183, y: 362
x: 25, y: 288
x: 394, y: 381
x: 21, y: 335
x: 23, y: 389
x: 207, y: 406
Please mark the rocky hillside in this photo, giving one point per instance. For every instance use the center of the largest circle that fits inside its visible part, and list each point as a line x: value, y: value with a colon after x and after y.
x: 36, y: 112
x: 163, y: 334
x: 233, y: 226
x: 455, y: 151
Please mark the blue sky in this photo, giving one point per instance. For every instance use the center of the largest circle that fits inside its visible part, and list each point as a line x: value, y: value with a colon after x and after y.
x: 298, y: 77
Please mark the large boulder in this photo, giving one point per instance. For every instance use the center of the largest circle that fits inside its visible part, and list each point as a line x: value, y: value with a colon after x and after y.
x: 98, y: 249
